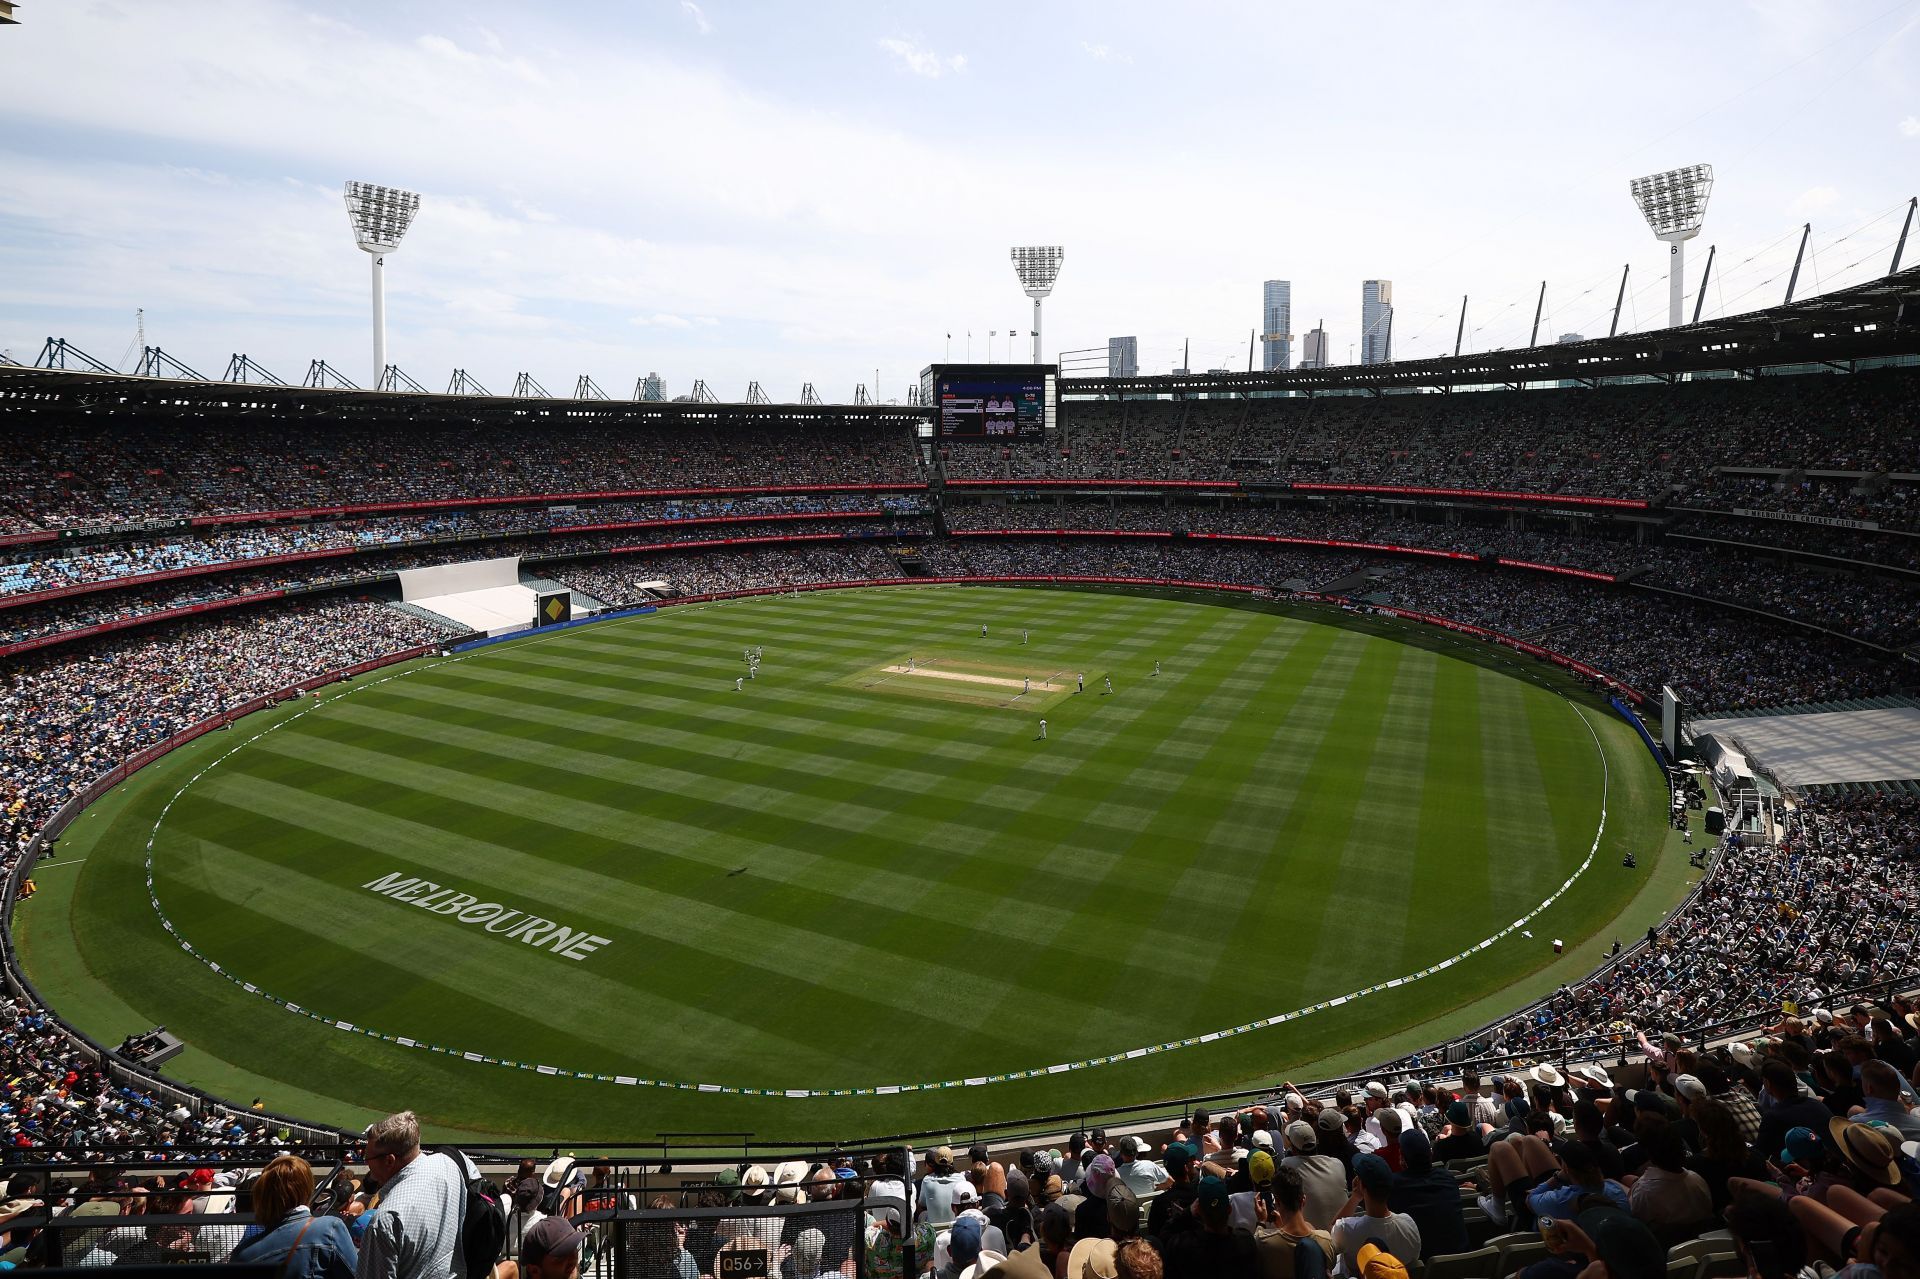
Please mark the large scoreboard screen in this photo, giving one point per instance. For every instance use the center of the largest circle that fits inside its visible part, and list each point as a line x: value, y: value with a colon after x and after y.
x: 991, y: 402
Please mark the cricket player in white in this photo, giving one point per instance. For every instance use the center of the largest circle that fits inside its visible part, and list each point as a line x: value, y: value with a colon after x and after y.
x: 1043, y: 730
x: 1109, y: 683
x: 1023, y: 637
x: 739, y: 683
x: 1156, y: 668
x: 983, y: 630
x: 1080, y: 682
x: 1026, y: 686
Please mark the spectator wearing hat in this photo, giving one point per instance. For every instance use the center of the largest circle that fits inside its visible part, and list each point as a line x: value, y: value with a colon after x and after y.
x: 1259, y: 1180
x: 1092, y: 1259
x: 1281, y: 1231
x: 420, y: 1206
x: 1430, y: 1196
x: 1391, y: 1122
x: 1366, y: 1217
x: 1214, y: 1251
x: 300, y: 1244
x: 1322, y: 1177
x: 809, y: 1255
x: 1123, y: 1212
x: 1882, y: 1101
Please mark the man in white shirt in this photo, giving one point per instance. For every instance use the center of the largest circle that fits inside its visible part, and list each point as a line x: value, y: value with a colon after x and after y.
x: 1141, y: 1175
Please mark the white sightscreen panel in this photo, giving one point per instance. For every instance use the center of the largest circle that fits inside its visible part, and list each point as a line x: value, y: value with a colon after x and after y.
x: 451, y: 579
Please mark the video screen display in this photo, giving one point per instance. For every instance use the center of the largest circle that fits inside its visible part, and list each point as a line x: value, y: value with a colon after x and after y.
x: 991, y: 408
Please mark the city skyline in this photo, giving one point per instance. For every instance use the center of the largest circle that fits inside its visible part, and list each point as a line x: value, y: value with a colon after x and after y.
x: 1276, y: 325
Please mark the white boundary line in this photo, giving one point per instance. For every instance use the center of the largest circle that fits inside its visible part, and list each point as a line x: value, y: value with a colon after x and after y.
x: 1278, y: 1019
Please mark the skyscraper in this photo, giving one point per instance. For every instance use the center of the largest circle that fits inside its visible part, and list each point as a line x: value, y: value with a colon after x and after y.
x: 1376, y: 321
x: 1314, y: 354
x: 1276, y: 325
x: 1123, y: 357
x: 652, y: 388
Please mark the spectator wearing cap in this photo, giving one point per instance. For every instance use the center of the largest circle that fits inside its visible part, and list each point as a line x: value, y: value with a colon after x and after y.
x: 1259, y: 1180
x: 1139, y: 1172
x: 419, y: 1208
x: 1170, y: 1210
x: 1430, y: 1196
x: 1668, y: 1195
x: 1214, y: 1251
x: 523, y: 1214
x: 1281, y: 1230
x: 939, y: 1188
x: 1882, y: 1101
x: 551, y: 1250
x: 301, y: 1245
x: 1123, y: 1212
x: 1090, y: 1217
x: 1391, y: 1122
x: 809, y: 1255
x: 1330, y: 1129
x: 1366, y: 1217
x: 1322, y: 1177
x: 1461, y: 1138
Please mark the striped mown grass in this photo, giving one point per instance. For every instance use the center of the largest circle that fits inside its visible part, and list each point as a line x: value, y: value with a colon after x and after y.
x: 809, y: 884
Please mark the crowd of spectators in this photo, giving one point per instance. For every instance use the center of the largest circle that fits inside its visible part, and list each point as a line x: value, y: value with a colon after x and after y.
x: 1890, y: 504
x: 32, y: 568
x: 70, y: 475
x: 1645, y: 442
x: 1829, y: 906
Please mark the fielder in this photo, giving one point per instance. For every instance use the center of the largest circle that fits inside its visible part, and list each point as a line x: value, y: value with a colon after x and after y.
x: 739, y: 683
x: 1156, y: 668
x: 1023, y: 637
x: 1080, y: 682
x: 983, y: 630
x: 1043, y: 730
x: 1109, y: 683
x: 1026, y: 685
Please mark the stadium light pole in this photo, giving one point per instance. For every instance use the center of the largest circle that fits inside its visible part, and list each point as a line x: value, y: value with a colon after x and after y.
x: 1038, y: 266
x: 380, y: 217
x: 1674, y: 204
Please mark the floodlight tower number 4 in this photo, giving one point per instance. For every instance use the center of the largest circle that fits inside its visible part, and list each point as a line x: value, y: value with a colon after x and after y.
x: 380, y: 217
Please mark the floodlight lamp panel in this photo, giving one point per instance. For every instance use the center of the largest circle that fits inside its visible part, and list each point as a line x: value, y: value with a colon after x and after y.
x: 1038, y: 266
x: 1674, y: 203
x: 380, y: 215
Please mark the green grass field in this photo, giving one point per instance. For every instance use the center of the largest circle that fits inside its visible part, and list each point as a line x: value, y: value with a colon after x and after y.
x: 847, y: 877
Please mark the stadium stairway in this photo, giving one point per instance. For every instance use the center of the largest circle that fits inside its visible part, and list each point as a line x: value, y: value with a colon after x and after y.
x: 581, y: 600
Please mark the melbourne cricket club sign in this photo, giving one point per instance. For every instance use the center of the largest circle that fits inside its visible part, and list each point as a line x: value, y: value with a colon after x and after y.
x: 505, y: 921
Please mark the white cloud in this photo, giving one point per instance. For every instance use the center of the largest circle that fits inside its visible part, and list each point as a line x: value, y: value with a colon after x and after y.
x: 923, y: 61
x: 693, y: 11
x: 1910, y: 127
x: 1814, y: 200
x: 1105, y: 53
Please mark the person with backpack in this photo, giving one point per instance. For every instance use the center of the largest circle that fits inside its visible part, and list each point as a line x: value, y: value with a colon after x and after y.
x: 301, y: 1244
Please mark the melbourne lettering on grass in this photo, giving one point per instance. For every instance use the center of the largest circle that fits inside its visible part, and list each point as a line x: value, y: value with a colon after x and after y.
x: 543, y: 934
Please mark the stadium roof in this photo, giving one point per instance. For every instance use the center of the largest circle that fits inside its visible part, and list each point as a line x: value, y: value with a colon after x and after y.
x: 1873, y: 320
x: 1878, y: 319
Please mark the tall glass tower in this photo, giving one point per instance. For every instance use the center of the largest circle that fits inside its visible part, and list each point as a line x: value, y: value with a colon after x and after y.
x: 1276, y: 325
x: 1376, y: 321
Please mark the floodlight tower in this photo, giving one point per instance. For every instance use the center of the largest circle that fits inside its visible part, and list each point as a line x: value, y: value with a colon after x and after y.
x: 380, y: 217
x: 1038, y: 266
x: 1674, y: 204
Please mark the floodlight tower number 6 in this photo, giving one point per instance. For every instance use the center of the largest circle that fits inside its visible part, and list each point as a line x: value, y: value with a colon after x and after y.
x: 380, y: 217
x: 1674, y: 204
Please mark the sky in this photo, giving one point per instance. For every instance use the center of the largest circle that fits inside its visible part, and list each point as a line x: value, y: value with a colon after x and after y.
x: 824, y: 192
